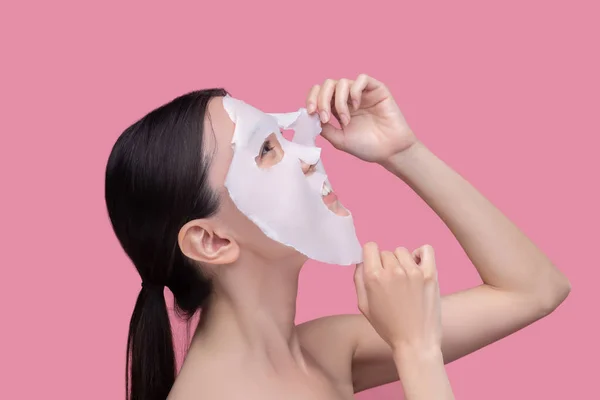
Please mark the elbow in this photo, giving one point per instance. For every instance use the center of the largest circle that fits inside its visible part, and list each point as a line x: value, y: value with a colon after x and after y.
x: 553, y: 295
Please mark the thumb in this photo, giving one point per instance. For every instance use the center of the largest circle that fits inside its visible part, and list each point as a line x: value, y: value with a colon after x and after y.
x: 333, y: 135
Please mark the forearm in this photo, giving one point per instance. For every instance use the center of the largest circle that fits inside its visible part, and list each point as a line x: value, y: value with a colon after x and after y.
x: 422, y: 374
x: 504, y: 257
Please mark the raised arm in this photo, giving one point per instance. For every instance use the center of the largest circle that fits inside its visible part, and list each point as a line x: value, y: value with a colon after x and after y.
x: 520, y: 284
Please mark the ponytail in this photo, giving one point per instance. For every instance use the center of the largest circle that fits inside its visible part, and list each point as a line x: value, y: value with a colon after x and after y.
x: 156, y: 181
x: 150, y: 361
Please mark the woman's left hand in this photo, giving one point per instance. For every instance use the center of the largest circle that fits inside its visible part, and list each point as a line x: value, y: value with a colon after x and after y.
x: 372, y: 125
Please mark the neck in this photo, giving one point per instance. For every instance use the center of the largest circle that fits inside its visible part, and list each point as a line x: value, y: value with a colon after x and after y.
x: 254, y: 306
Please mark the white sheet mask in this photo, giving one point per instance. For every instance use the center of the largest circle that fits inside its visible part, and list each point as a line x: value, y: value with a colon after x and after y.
x: 281, y: 200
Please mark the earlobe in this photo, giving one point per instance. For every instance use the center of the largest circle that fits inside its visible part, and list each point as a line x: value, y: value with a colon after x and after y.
x: 199, y: 241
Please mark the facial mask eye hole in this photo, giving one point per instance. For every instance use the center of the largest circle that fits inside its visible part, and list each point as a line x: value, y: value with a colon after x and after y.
x: 270, y: 152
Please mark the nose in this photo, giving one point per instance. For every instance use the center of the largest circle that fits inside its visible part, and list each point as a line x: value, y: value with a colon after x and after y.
x: 307, y: 168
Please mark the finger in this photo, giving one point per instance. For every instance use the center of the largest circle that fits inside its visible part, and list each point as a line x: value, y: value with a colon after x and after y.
x: 362, y: 83
x: 356, y: 90
x: 324, y: 100
x: 342, y: 93
x: 417, y: 256
x: 333, y: 135
x: 361, y: 291
x: 406, y: 260
x: 423, y: 253
x: 311, y: 99
x: 389, y: 260
x: 372, y: 260
x: 427, y: 264
x: 372, y: 83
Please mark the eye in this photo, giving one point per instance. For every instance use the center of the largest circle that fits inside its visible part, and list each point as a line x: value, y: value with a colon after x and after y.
x: 266, y: 147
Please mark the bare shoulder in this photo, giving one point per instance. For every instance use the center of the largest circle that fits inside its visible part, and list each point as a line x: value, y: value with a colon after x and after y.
x: 350, y: 350
x: 209, y: 372
x: 332, y: 341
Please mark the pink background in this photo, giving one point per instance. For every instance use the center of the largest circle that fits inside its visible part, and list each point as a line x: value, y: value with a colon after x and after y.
x: 507, y: 94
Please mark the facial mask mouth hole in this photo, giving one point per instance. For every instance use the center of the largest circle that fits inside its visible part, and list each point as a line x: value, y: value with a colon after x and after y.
x: 330, y: 200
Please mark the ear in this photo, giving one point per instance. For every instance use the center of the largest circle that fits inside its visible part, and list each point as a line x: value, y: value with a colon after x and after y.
x: 200, y: 241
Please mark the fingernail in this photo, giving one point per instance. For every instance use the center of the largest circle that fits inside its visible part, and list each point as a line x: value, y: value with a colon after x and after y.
x: 324, y: 116
x: 345, y: 119
x: 355, y: 104
x: 311, y: 107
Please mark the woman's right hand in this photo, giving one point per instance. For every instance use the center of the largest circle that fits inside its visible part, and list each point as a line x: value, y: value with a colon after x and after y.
x: 398, y: 293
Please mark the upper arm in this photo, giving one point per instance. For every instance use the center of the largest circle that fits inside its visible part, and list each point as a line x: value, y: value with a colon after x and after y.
x: 477, y: 317
x: 471, y: 319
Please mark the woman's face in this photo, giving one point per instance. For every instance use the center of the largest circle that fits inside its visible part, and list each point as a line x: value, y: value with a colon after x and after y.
x: 219, y: 129
x: 219, y: 133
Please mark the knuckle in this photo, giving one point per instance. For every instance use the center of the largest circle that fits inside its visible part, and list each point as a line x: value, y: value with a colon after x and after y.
x: 371, y: 276
x: 401, y: 250
x: 416, y: 274
x: 370, y: 246
x: 429, y: 276
x: 388, y: 258
x: 341, y: 103
x: 368, y: 273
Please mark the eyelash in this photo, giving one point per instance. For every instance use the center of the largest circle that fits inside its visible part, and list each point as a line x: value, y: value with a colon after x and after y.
x: 265, y: 148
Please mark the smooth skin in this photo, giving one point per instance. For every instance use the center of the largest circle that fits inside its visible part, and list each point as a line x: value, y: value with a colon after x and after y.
x: 399, y: 295
x: 248, y: 345
x: 520, y: 284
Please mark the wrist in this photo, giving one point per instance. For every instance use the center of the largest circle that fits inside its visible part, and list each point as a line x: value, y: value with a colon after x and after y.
x: 422, y: 372
x: 402, y: 160
x: 417, y: 353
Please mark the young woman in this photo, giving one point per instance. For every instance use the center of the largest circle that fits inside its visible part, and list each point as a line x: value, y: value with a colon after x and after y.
x: 173, y: 215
